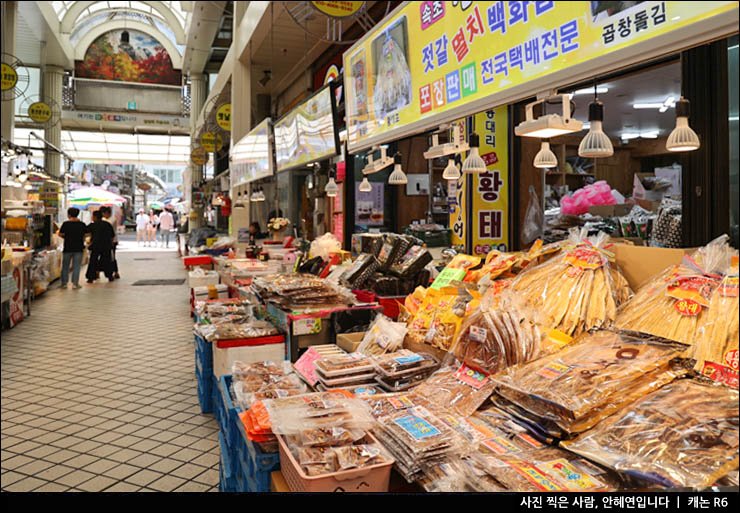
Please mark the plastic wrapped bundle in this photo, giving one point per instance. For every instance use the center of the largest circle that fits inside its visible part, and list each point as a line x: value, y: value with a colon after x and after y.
x: 412, y: 262
x: 569, y: 385
x: 360, y: 270
x: 500, y: 334
x: 236, y: 330
x: 393, y: 248
x: 682, y: 435
x: 718, y: 332
x: 384, y: 336
x: 575, y: 290
x: 676, y: 303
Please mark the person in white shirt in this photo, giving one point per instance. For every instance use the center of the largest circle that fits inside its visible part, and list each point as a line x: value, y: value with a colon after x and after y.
x: 142, y: 225
x: 166, y: 225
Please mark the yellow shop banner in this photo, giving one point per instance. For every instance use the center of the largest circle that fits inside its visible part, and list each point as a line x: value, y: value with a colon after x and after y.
x: 432, y: 57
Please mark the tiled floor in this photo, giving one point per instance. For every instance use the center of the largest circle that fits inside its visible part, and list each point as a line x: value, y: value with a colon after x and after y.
x: 98, y: 388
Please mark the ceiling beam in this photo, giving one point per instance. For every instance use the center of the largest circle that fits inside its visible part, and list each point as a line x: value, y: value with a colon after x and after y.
x: 204, y: 24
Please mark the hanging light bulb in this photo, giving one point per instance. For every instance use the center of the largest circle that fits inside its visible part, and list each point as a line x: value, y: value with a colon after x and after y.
x: 22, y: 177
x: 683, y: 138
x: 331, y: 189
x: 474, y: 164
x: 365, y: 185
x: 260, y: 195
x: 28, y: 187
x: 398, y: 177
x: 451, y: 172
x: 253, y: 196
x: 596, y: 144
x: 545, y: 157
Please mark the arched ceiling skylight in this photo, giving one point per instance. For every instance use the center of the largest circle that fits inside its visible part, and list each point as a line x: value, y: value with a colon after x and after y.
x: 80, y: 17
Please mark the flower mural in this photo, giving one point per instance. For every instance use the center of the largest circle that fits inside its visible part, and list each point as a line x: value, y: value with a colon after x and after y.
x: 130, y: 56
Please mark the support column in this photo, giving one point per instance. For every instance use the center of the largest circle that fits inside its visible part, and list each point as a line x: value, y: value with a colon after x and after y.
x: 197, y: 98
x: 52, y: 89
x: 9, y: 23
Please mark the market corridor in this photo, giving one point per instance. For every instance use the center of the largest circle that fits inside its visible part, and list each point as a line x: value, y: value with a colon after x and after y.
x: 98, y: 388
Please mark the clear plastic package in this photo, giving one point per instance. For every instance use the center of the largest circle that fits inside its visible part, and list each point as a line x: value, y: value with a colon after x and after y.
x: 252, y: 328
x: 584, y: 375
x: 682, y: 435
x: 383, y: 336
x: 404, y: 363
x: 575, y: 290
x: 400, y: 384
x: 345, y: 381
x: 344, y: 365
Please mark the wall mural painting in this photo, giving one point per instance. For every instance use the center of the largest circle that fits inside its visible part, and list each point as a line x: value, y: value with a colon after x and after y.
x: 130, y: 56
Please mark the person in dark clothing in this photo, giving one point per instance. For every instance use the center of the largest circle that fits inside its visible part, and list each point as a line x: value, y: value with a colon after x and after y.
x: 101, y: 248
x: 73, y: 232
x: 107, y: 213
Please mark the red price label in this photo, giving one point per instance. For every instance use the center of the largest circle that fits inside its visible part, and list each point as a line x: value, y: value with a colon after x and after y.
x: 731, y: 359
x: 688, y: 307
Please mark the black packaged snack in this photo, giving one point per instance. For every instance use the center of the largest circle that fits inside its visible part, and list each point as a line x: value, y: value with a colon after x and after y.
x: 393, y: 248
x: 360, y: 270
x: 412, y: 262
x: 371, y: 243
x: 385, y: 285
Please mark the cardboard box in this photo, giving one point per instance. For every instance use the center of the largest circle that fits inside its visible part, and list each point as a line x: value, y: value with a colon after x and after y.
x: 350, y: 341
x: 424, y: 348
x: 629, y: 241
x: 639, y: 264
x: 611, y: 210
x: 210, y: 292
x: 198, y: 280
x: 277, y: 482
x: 652, y: 206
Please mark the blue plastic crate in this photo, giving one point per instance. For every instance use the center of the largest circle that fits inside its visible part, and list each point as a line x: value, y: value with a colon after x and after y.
x: 225, y: 484
x: 203, y: 352
x: 229, y: 461
x: 230, y: 424
x: 205, y: 390
x: 216, y: 398
x: 259, y: 482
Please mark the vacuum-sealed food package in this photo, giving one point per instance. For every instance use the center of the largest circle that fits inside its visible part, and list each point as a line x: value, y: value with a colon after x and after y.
x: 682, y: 435
x: 383, y: 336
x: 458, y: 386
x: 678, y: 303
x: 584, y: 375
x: 360, y: 455
x: 411, y: 262
x: 344, y: 365
x: 253, y: 328
x: 363, y: 266
x: 575, y: 290
x: 404, y: 363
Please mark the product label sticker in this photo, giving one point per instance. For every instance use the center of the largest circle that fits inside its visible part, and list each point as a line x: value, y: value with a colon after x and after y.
x: 447, y: 276
x: 363, y: 391
x: 530, y: 440
x: 570, y: 477
x: 400, y: 402
x: 306, y: 326
x: 478, y: 334
x: 695, y: 288
x: 535, y: 476
x: 553, y: 370
x: 585, y: 258
x: 731, y: 359
x: 559, y: 338
x: 416, y: 427
x: 721, y: 374
x: 480, y: 431
x: 500, y: 445
x: 404, y: 360
x: 687, y: 307
x: 472, y: 377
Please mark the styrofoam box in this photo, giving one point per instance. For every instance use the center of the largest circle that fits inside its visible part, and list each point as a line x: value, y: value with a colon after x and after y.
x: 197, y: 280
x: 224, y: 358
x: 202, y: 293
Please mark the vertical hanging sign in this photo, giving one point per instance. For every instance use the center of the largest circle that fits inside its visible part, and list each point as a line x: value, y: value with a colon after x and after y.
x: 456, y: 198
x: 490, y: 221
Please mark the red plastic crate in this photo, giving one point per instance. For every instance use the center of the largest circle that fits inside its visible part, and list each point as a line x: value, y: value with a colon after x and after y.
x: 189, y: 261
x: 390, y: 305
x: 259, y: 341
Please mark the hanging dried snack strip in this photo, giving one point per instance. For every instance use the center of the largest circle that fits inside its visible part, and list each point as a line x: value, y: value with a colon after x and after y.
x: 575, y: 290
x: 682, y: 435
x: 581, y: 377
x: 675, y: 303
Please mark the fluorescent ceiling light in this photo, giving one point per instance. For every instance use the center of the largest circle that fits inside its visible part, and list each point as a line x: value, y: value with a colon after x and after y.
x: 649, y: 135
x: 647, y: 105
x: 599, y: 90
x: 549, y: 125
x: 628, y: 135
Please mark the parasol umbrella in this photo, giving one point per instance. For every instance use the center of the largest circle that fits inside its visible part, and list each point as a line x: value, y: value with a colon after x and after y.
x: 156, y: 205
x: 87, y: 196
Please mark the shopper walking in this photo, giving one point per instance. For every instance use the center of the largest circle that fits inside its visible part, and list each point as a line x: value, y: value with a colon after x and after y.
x: 73, y: 232
x: 142, y: 227
x: 108, y: 216
x: 101, y: 248
x: 152, y: 228
x: 166, y: 226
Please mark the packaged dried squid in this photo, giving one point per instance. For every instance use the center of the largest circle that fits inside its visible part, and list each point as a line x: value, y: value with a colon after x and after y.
x: 676, y: 303
x: 502, y: 332
x: 682, y: 435
x: 575, y: 290
x: 715, y: 347
x: 572, y: 383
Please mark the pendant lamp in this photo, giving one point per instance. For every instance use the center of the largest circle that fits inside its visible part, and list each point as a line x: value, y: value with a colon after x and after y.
x: 683, y: 138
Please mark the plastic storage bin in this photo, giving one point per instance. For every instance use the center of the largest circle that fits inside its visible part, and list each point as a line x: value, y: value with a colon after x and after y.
x: 376, y: 477
x: 198, y: 280
x: 247, y: 351
x: 228, y: 412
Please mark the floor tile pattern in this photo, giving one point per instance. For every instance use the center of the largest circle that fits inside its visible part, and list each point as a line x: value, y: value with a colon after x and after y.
x: 98, y: 388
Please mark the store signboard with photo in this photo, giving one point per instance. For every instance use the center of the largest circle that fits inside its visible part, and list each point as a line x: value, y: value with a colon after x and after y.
x: 251, y: 158
x: 307, y: 133
x: 369, y: 205
x: 432, y: 62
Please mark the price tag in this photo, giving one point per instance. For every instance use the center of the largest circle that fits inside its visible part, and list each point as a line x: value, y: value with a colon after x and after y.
x: 472, y: 377
x: 688, y: 307
x: 478, y: 334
